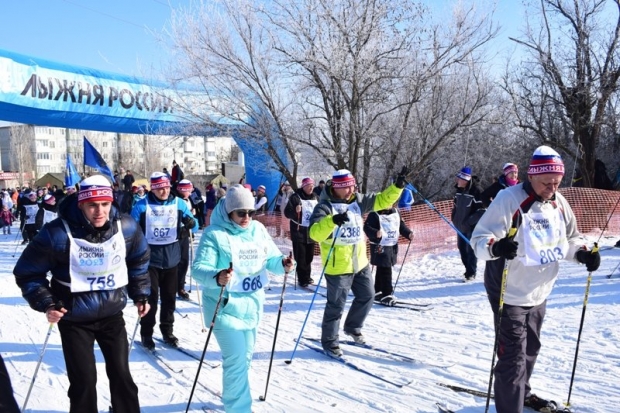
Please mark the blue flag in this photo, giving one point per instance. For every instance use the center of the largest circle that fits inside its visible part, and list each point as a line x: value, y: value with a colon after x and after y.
x: 93, y: 159
x: 72, y: 176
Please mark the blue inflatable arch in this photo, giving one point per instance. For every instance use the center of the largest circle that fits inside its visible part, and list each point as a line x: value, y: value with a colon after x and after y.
x: 41, y: 92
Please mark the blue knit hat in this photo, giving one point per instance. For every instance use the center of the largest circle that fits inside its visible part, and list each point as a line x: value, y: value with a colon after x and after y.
x: 464, y: 173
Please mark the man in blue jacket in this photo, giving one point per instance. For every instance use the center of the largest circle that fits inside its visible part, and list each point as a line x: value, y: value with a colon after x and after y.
x: 90, y: 237
x: 162, y: 216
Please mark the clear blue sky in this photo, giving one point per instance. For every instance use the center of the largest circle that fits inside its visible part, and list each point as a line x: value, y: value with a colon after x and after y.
x: 109, y: 35
x: 113, y: 35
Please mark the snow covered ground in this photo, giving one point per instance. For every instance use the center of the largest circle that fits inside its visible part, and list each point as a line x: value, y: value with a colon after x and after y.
x: 453, y: 343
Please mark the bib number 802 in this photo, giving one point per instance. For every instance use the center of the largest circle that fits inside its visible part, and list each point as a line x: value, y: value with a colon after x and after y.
x: 252, y: 284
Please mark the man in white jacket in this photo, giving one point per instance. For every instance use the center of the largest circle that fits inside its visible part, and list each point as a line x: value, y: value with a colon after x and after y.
x: 546, y: 232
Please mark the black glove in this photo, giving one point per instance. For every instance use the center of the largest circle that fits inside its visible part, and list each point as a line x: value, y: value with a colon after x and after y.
x: 401, y: 179
x: 189, y: 222
x: 141, y: 299
x: 592, y: 259
x: 340, y: 219
x: 505, y: 248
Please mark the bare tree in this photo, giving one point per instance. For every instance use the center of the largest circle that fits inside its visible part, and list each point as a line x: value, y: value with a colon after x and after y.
x: 22, y: 150
x: 330, y: 75
x: 561, y: 92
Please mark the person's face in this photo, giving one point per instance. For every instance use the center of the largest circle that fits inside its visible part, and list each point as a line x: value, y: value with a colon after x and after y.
x: 344, y: 193
x: 242, y: 217
x: 96, y: 212
x: 260, y: 192
x: 545, y: 185
x: 161, y: 193
x: 70, y: 190
x: 185, y: 194
x: 461, y: 183
x: 308, y: 189
x: 512, y: 175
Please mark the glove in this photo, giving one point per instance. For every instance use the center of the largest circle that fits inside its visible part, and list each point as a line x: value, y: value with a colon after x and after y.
x: 592, y: 259
x: 340, y: 219
x: 401, y: 179
x: 189, y: 222
x: 141, y: 299
x: 505, y: 248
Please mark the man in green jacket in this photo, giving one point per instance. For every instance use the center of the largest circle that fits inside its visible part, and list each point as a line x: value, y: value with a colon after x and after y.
x: 340, y: 213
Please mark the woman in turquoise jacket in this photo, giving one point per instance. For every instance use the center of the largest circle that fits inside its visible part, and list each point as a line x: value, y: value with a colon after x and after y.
x: 233, y: 237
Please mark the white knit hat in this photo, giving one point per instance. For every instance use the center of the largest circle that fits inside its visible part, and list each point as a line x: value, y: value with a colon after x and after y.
x: 238, y: 197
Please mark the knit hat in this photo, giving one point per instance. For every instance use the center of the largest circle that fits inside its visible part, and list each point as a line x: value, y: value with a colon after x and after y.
x: 247, y: 186
x: 545, y: 161
x: 261, y: 187
x: 49, y: 199
x: 464, y: 173
x: 238, y: 197
x: 185, y: 186
x: 321, y: 182
x: 342, y: 178
x: 95, y: 188
x: 134, y: 189
x: 159, y: 180
x: 510, y: 167
x: 307, y: 181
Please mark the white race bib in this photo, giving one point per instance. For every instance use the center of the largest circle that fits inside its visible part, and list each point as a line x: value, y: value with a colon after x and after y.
x: 48, y: 216
x: 249, y: 266
x: 307, y: 206
x: 351, y: 231
x: 97, y: 267
x: 31, y: 213
x: 544, y: 236
x: 390, y: 226
x: 161, y: 223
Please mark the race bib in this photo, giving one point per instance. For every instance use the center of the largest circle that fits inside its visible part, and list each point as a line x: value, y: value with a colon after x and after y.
x: 351, y: 231
x: 31, y: 213
x: 161, y: 223
x: 390, y: 226
x: 544, y: 236
x: 250, y: 266
x: 307, y: 206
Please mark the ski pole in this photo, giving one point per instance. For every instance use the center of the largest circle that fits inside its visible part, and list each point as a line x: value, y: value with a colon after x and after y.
x: 316, y: 290
x: 58, y: 306
x: 460, y: 234
x: 500, y: 309
x: 202, y: 316
x: 204, y: 351
x: 133, y: 336
x: 401, y: 267
x: 275, y: 334
x: 16, y: 238
x: 191, y: 259
x: 583, y: 316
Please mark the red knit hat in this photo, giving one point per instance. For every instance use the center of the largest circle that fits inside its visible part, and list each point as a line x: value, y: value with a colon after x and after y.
x: 342, y: 178
x: 185, y: 186
x: 545, y: 161
x: 49, y: 199
x: 159, y: 180
x: 95, y: 188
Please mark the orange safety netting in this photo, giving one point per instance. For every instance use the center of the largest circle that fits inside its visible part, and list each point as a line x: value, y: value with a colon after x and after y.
x: 594, y: 209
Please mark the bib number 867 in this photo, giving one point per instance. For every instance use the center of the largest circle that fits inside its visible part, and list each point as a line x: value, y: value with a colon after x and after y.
x: 252, y: 284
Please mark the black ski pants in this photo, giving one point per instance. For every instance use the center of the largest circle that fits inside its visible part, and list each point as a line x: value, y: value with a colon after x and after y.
x: 383, y: 281
x: 184, y: 263
x: 304, y: 254
x: 164, y: 283
x: 7, y: 400
x: 468, y: 257
x: 519, y: 345
x: 78, y: 341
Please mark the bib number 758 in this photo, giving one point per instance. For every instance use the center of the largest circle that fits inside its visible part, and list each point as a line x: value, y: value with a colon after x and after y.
x: 102, y: 283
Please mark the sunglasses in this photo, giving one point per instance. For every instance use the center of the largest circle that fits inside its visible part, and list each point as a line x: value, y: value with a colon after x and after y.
x: 242, y: 213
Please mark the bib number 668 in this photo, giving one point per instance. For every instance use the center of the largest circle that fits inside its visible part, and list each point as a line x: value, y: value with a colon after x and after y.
x: 252, y: 284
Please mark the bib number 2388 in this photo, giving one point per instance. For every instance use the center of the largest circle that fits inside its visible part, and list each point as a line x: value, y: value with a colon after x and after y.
x: 350, y: 232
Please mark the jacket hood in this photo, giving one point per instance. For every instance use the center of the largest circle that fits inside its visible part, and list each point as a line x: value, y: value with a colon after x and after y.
x: 220, y: 218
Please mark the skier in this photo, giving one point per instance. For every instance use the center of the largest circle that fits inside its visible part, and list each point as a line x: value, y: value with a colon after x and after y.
x: 339, y: 213
x: 235, y: 238
x: 184, y: 191
x: 27, y: 214
x: 509, y: 177
x: 162, y: 235
x: 383, y: 229
x: 298, y: 211
x: 85, y: 241
x: 546, y: 232
x: 261, y: 204
x: 466, y: 211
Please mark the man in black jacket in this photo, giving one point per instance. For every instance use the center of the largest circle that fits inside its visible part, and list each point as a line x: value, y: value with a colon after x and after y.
x: 90, y: 237
x: 466, y: 212
x: 298, y: 210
